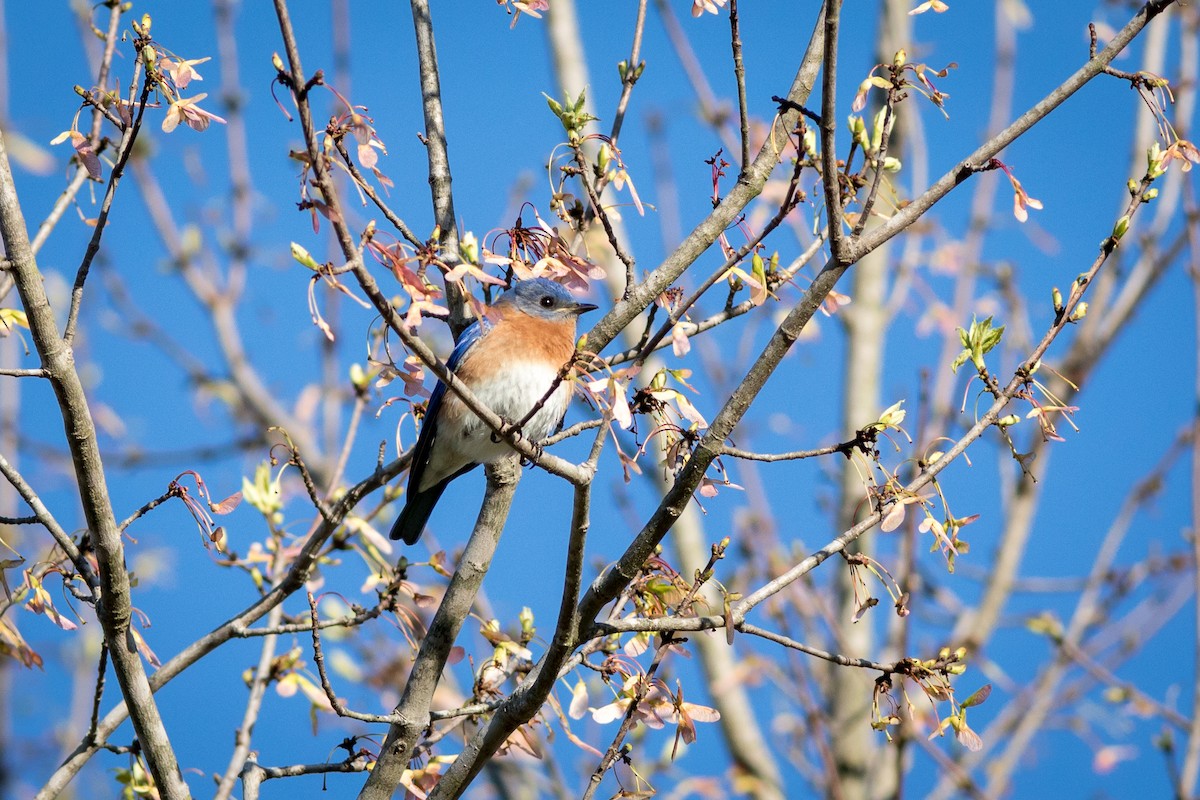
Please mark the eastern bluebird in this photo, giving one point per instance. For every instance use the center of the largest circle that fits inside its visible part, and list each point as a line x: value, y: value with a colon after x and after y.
x: 509, y: 359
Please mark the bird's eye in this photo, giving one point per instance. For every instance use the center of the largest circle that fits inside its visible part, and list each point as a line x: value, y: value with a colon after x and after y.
x: 547, y: 301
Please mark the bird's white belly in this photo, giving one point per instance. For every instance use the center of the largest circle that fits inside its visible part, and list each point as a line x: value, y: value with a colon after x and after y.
x: 511, y: 396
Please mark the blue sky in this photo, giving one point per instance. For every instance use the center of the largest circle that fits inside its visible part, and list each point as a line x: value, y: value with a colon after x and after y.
x: 500, y: 134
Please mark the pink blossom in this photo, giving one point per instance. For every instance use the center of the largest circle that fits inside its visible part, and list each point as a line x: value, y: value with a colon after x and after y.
x: 186, y: 111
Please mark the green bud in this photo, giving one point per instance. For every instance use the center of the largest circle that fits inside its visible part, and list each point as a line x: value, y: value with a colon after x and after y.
x: 303, y: 257
x: 1120, y: 228
x: 1079, y: 313
x: 1011, y: 419
x: 1155, y: 162
x: 468, y: 248
x: 877, y: 130
x: 858, y: 130
x: 1150, y: 195
x: 1056, y: 295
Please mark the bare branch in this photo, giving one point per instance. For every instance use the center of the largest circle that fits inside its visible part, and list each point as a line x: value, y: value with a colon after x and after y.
x: 413, y: 709
x: 114, y: 609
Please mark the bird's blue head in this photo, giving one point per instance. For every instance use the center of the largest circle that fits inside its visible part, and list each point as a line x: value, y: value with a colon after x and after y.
x: 543, y: 298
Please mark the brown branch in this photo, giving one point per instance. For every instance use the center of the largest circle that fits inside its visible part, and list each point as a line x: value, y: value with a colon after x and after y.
x: 614, y: 242
x: 830, y: 181
x: 335, y: 703
x: 439, y: 159
x: 128, y: 138
x: 795, y: 455
x: 413, y: 708
x: 253, y: 775
x: 369, y: 190
x: 42, y: 515
x: 259, y: 682
x: 645, y: 683
x: 114, y: 609
x: 174, y: 491
x: 633, y: 70
x: 739, y: 76
x: 299, y: 571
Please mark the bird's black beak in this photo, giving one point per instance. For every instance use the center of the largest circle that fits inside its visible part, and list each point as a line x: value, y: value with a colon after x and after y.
x: 583, y: 308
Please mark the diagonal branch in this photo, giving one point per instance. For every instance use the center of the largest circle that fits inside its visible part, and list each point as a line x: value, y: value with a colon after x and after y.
x: 426, y: 672
x: 439, y: 159
x: 113, y: 607
x: 236, y: 627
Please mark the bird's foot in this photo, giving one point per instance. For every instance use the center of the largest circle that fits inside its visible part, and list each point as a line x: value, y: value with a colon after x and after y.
x: 512, y: 431
x: 509, y: 430
x: 538, y: 452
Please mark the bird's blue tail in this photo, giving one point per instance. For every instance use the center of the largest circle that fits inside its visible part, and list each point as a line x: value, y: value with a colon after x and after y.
x: 416, y: 511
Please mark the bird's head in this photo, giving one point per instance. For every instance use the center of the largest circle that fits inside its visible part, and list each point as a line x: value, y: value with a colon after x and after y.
x: 545, y: 299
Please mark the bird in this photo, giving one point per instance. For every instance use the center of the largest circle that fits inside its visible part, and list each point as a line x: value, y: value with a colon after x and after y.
x: 509, y: 359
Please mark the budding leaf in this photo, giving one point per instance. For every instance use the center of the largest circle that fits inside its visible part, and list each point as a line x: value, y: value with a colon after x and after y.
x: 977, y: 342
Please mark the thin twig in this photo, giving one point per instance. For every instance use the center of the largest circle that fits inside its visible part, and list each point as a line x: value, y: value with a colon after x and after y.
x: 830, y: 180
x: 644, y: 685
x: 369, y: 190
x: 439, y: 158
x: 291, y: 582
x: 128, y: 138
x: 335, y: 703
x: 633, y: 70
x: 739, y: 75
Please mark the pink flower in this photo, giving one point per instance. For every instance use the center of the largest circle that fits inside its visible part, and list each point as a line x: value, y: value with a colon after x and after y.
x: 186, y: 111
x: 83, y: 151
x: 181, y: 71
x: 1183, y: 151
x: 1022, y: 201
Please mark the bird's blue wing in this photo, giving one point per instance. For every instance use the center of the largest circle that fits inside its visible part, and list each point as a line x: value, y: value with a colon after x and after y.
x: 428, y: 433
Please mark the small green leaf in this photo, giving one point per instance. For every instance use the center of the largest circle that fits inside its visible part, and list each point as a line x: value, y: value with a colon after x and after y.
x: 978, y: 697
x: 555, y: 106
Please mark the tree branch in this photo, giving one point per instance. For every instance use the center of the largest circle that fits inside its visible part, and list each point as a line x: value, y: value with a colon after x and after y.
x: 413, y: 709
x: 113, y: 607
